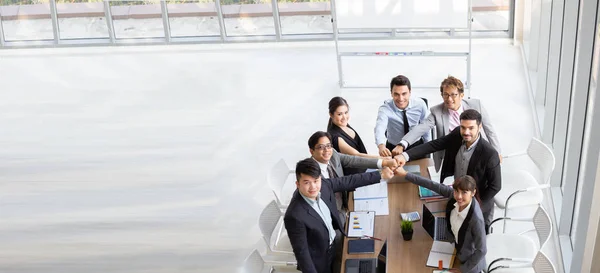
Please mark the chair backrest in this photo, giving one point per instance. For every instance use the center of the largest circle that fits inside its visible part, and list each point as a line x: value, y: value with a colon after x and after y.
x: 543, y: 158
x: 254, y: 263
x: 543, y: 225
x: 278, y: 175
x: 541, y: 264
x: 268, y: 220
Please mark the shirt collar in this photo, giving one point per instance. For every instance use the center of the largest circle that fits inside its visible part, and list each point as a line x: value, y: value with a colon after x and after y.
x: 465, y: 211
x: 396, y: 109
x: 321, y: 165
x: 310, y: 201
x: 460, y: 109
x: 474, y: 143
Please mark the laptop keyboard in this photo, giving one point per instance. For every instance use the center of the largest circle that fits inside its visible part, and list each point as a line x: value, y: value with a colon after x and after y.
x: 441, y: 229
x: 365, y: 266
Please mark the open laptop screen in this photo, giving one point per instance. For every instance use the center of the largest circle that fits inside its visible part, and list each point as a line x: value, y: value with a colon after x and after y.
x: 428, y: 221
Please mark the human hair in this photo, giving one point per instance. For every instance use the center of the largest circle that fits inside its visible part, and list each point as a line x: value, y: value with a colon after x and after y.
x: 452, y: 82
x: 466, y: 183
x: 399, y: 81
x: 471, y: 114
x: 314, y: 139
x: 334, y: 103
x: 308, y: 167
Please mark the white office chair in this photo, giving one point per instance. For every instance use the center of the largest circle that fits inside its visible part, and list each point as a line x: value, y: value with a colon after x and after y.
x: 269, y: 220
x: 277, y: 177
x: 520, y: 188
x: 540, y: 264
x: 517, y: 248
x: 255, y: 263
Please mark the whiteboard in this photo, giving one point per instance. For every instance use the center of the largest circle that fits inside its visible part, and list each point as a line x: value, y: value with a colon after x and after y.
x: 418, y: 14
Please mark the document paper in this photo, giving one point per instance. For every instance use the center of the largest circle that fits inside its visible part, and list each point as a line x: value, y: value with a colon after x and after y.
x: 361, y: 223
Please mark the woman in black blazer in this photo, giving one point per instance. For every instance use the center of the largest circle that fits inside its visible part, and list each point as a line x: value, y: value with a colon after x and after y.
x: 469, y: 237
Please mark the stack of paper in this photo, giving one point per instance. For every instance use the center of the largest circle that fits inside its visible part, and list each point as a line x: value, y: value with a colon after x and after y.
x: 372, y: 198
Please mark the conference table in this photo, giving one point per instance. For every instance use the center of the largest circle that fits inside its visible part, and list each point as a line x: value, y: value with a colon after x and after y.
x: 402, y: 256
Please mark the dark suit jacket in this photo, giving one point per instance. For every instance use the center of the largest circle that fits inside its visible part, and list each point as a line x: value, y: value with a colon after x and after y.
x: 471, y: 245
x: 307, y: 231
x: 484, y: 165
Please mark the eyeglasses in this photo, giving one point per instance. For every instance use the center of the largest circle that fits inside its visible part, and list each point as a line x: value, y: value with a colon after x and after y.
x: 323, y: 146
x: 445, y: 96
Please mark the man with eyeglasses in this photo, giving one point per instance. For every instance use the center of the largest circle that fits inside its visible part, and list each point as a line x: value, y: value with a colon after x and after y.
x: 332, y: 162
x: 445, y: 117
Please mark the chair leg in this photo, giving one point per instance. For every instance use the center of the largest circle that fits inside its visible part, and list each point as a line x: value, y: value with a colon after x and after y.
x: 279, y: 234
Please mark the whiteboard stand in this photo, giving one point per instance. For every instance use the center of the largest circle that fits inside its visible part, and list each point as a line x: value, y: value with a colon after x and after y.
x: 390, y: 23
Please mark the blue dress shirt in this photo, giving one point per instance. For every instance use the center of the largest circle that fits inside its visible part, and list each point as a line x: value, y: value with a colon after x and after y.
x: 390, y: 118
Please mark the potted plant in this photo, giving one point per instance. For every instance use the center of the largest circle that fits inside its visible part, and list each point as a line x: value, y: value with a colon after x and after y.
x: 407, y: 230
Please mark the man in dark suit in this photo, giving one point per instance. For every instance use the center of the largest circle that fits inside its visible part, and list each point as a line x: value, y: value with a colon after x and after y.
x: 311, y: 220
x: 332, y: 163
x: 467, y: 153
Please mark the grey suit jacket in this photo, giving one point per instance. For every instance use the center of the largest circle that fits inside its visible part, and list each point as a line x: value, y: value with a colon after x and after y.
x: 440, y: 119
x: 471, y: 245
x: 338, y: 160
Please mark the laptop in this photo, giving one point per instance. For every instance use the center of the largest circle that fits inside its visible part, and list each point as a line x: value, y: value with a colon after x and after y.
x: 372, y: 265
x: 435, y: 226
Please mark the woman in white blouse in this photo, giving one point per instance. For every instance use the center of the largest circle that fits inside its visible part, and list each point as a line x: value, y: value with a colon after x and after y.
x: 466, y: 224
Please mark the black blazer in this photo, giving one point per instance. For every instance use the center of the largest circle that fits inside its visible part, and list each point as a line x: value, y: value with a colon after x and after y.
x: 307, y: 231
x: 471, y: 245
x: 484, y: 165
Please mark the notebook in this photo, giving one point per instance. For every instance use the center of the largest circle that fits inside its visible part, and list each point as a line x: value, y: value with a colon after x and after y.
x: 443, y: 251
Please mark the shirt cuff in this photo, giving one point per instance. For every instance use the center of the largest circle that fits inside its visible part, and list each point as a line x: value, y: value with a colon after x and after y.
x: 380, y: 163
x: 404, y: 143
x: 405, y: 155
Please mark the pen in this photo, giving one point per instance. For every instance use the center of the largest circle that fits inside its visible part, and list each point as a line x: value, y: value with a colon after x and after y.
x: 371, y: 237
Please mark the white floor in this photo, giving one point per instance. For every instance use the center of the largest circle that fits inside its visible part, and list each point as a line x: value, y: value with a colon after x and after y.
x: 154, y: 159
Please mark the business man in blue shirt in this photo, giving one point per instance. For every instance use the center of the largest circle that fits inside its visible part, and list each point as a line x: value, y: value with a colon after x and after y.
x: 397, y: 116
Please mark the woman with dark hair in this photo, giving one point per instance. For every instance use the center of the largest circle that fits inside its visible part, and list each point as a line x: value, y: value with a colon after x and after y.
x: 466, y: 226
x: 344, y: 139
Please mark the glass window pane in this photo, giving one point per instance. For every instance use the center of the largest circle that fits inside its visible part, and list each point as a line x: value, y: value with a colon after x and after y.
x: 490, y: 15
x: 137, y: 19
x: 248, y: 17
x: 79, y: 19
x: 26, y: 20
x: 188, y: 18
x: 305, y: 16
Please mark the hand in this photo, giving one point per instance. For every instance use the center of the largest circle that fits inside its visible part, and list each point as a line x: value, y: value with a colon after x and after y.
x: 454, y: 270
x: 400, y: 172
x: 390, y: 163
x: 386, y: 173
x: 398, y: 150
x: 401, y: 160
x: 500, y: 157
x: 383, y: 151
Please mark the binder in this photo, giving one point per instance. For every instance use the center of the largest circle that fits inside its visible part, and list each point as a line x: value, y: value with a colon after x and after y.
x: 443, y: 251
x: 361, y: 246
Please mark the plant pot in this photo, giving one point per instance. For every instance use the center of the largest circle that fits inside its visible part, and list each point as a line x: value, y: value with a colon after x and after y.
x: 407, y: 235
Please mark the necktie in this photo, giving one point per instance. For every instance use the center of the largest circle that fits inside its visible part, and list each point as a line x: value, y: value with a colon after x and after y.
x: 405, y: 121
x: 341, y: 198
x: 454, y: 120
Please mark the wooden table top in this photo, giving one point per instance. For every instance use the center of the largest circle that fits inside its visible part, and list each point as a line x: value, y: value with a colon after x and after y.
x: 402, y: 256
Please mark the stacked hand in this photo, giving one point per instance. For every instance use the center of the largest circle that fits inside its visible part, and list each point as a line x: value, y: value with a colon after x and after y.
x: 398, y: 150
x: 386, y: 173
x: 383, y: 151
x: 390, y: 163
x: 400, y: 160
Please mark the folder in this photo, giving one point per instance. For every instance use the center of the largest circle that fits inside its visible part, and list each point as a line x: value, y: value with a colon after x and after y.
x: 443, y: 251
x: 361, y: 246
